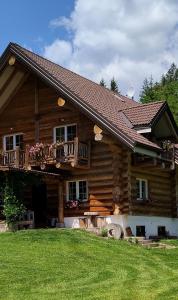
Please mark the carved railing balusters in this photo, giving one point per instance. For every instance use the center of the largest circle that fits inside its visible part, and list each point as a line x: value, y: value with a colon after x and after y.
x: 72, y: 153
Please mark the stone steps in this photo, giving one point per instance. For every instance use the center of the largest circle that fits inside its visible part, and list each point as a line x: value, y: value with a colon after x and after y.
x: 150, y: 245
x: 155, y: 245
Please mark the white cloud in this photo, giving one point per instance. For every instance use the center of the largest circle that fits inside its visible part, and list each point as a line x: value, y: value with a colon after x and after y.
x: 59, y: 51
x: 127, y: 39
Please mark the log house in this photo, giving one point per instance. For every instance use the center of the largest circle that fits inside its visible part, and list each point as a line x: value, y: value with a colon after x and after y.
x: 97, y: 151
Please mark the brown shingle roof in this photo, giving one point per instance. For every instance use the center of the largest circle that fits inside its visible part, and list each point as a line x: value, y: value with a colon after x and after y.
x: 143, y: 114
x: 97, y: 100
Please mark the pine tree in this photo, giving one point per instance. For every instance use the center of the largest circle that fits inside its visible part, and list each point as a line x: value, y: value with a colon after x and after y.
x: 148, y: 93
x: 114, y: 86
x: 163, y: 80
x: 165, y: 89
x: 170, y: 75
x: 102, y: 82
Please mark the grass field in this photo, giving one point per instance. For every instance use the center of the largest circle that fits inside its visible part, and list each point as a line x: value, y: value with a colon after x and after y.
x: 73, y: 264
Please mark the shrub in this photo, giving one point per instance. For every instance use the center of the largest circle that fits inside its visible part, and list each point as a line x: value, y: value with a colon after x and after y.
x: 13, y: 209
x: 104, y: 232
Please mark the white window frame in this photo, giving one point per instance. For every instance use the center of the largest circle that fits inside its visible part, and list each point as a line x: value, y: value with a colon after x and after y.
x: 14, y: 140
x: 65, y: 131
x: 77, y: 189
x: 140, y: 189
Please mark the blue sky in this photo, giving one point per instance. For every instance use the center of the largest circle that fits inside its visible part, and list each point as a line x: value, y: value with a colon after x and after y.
x: 127, y: 39
x: 27, y: 21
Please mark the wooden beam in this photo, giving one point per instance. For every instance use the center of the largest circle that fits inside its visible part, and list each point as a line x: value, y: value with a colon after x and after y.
x: 60, y: 205
x: 17, y: 157
x: 37, y: 122
x: 14, y: 85
x: 7, y: 73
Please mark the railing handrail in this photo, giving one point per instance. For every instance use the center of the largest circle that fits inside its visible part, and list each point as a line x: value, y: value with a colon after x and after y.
x: 168, y: 154
x: 65, y: 152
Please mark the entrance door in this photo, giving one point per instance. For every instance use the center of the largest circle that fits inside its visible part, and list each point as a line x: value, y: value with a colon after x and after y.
x: 39, y: 203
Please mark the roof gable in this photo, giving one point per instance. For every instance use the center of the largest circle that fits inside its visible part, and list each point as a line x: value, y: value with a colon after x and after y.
x: 144, y: 114
x: 99, y: 103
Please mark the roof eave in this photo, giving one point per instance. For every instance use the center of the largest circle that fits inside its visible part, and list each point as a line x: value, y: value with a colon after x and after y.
x: 155, y: 149
x: 11, y: 48
x: 52, y: 81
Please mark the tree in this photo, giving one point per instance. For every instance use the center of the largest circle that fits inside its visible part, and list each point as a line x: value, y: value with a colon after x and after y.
x: 171, y: 73
x: 114, y: 86
x: 148, y: 93
x: 102, y: 82
x: 165, y: 89
x: 13, y: 209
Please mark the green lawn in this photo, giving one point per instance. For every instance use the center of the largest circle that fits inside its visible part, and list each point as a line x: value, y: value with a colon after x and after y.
x: 72, y: 264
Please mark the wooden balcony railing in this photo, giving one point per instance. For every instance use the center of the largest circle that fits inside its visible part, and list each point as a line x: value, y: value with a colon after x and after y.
x: 176, y: 155
x: 74, y: 153
x: 165, y: 159
x: 168, y: 154
x: 13, y: 158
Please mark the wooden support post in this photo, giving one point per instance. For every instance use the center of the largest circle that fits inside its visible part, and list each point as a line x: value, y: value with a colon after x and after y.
x: 76, y: 147
x: 27, y: 156
x: 60, y: 205
x: 89, y: 154
x: 17, y: 157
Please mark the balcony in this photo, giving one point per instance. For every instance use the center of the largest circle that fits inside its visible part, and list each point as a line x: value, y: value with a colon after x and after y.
x: 168, y: 154
x: 165, y: 159
x: 62, y: 155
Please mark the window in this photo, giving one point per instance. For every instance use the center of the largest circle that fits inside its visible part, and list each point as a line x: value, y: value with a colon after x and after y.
x: 142, y: 189
x: 161, y: 231
x: 65, y: 133
x: 77, y: 190
x: 12, y: 141
x: 140, y: 230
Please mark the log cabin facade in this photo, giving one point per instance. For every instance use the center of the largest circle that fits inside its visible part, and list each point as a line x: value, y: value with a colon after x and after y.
x: 98, y: 152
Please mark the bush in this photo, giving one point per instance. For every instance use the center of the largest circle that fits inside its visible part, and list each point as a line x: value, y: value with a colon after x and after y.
x: 13, y: 209
x: 104, y: 232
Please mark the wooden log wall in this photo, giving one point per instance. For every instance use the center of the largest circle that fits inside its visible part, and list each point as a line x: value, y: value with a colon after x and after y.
x: 18, y: 116
x: 23, y: 114
x: 161, y: 192
x: 52, y: 199
x: 30, y: 108
x: 109, y: 176
x: 100, y: 182
x: 121, y: 178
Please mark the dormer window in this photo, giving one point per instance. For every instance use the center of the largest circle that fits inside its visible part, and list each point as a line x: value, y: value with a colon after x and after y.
x: 65, y: 133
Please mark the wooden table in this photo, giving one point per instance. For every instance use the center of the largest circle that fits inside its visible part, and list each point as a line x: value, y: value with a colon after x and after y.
x: 91, y: 218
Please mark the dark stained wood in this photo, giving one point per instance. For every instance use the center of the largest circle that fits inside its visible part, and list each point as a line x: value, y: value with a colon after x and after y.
x: 37, y: 125
x: 111, y: 177
x: 60, y: 203
x: 161, y: 185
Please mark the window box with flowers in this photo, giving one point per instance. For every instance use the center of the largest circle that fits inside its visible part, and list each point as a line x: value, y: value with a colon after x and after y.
x: 76, y: 193
x: 39, y: 152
